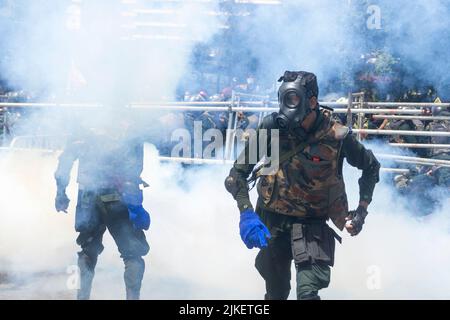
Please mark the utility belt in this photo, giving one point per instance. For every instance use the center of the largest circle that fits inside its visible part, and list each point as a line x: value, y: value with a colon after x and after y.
x: 310, y: 221
x: 106, y: 194
x: 312, y: 239
x: 105, y: 186
x: 306, y: 216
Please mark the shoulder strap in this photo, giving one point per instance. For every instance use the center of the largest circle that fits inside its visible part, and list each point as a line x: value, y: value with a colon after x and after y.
x: 284, y: 157
x: 289, y: 154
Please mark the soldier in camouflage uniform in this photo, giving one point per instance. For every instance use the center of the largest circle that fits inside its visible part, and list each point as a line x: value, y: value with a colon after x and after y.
x: 109, y: 197
x: 303, y: 193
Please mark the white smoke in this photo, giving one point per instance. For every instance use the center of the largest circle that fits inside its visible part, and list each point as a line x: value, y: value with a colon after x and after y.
x: 302, y: 35
x: 103, y: 52
x: 398, y: 255
x: 196, y: 252
x: 195, y: 246
x: 328, y: 37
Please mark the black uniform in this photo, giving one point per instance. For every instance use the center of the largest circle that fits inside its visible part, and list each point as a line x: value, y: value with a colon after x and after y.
x: 107, y: 165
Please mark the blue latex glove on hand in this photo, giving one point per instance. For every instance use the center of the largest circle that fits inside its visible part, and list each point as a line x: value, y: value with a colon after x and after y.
x: 133, y: 198
x: 253, y: 232
x: 139, y: 217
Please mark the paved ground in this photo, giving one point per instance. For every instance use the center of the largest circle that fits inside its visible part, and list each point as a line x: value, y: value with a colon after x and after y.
x: 40, y: 286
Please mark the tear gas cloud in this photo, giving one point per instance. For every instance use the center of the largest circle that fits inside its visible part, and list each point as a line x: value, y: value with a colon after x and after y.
x: 90, y: 50
x: 95, y: 52
x: 195, y: 250
x: 55, y: 48
x: 329, y: 37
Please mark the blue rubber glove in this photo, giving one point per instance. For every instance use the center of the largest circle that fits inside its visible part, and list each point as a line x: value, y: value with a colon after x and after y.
x: 253, y: 232
x: 139, y: 217
x: 133, y: 198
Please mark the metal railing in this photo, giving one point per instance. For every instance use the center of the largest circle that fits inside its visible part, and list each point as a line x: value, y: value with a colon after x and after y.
x: 424, y: 118
x: 420, y: 145
x: 402, y: 132
x: 271, y: 104
x: 44, y: 142
x: 356, y: 106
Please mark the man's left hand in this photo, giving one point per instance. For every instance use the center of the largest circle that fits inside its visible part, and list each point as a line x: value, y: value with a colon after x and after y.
x: 139, y: 217
x: 355, y: 219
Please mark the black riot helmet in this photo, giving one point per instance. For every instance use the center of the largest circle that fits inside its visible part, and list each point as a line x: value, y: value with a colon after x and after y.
x: 293, y: 96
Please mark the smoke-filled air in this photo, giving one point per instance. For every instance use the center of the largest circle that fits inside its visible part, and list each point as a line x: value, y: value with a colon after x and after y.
x: 115, y: 74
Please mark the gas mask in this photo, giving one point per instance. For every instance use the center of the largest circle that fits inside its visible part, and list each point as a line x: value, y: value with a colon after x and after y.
x: 293, y: 97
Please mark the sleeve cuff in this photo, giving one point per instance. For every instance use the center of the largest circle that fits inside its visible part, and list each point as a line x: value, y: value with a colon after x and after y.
x: 245, y: 206
x: 366, y: 198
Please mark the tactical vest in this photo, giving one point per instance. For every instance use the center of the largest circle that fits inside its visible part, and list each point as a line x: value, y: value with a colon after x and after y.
x: 105, y: 162
x: 310, y: 184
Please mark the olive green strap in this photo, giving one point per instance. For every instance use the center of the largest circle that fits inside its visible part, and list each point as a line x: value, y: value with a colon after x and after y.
x: 284, y: 157
x: 288, y: 155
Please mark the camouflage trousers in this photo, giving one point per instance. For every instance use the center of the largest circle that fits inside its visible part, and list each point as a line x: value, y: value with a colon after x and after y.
x: 96, y: 212
x: 274, y: 262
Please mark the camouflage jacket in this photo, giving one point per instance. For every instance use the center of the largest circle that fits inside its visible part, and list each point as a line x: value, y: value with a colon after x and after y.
x: 310, y: 184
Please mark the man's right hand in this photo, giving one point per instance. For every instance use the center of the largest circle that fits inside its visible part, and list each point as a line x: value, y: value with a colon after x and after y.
x: 61, y: 201
x: 253, y: 232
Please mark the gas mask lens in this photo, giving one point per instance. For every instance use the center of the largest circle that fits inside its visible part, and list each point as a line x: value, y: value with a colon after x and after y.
x: 292, y: 100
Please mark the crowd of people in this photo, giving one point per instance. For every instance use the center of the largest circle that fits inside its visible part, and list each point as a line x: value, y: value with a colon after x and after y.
x: 249, y: 89
x: 422, y: 184
x: 410, y: 184
x: 8, y: 117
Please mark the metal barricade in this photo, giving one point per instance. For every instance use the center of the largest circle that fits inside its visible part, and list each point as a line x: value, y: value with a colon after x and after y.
x: 355, y: 105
